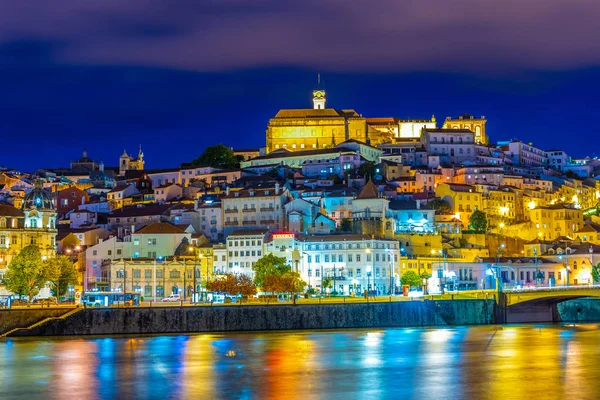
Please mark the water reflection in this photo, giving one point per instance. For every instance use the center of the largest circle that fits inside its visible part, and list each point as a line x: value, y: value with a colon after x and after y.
x: 455, y: 363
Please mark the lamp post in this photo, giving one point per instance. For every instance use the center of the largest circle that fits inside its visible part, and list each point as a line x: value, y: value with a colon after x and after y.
x: 592, y: 269
x: 498, y: 267
x: 368, y: 251
x: 536, y: 267
x: 194, y: 296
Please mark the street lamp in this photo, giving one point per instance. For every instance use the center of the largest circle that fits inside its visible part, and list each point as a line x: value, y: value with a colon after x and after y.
x: 498, y: 267
x: 194, y: 296
x: 536, y: 266
x: 368, y: 251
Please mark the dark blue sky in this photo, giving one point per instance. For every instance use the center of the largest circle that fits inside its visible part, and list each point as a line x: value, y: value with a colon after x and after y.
x: 113, y: 75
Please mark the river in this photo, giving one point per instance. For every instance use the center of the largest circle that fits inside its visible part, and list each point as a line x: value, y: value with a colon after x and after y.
x: 481, y: 362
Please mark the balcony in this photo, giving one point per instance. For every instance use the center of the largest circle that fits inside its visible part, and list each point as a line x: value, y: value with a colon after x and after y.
x: 231, y: 223
x: 267, y: 221
x: 231, y: 211
x: 266, y: 209
x: 249, y: 210
x: 249, y: 223
x: 97, y: 279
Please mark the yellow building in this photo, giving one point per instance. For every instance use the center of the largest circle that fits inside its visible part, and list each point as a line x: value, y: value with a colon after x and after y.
x: 466, y: 121
x: 463, y: 199
x: 314, y: 128
x: 34, y: 223
x: 128, y: 163
x: 556, y: 220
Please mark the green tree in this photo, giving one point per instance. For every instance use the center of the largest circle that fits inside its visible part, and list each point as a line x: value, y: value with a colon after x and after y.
x: 61, y: 273
x: 367, y: 168
x: 326, y: 284
x: 478, y: 221
x: 441, y: 206
x: 411, y: 278
x: 26, y: 274
x: 269, y: 265
x: 345, y: 225
x: 596, y: 273
x: 219, y: 156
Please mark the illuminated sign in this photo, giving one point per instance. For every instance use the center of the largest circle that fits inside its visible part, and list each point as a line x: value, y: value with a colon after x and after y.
x: 283, y: 236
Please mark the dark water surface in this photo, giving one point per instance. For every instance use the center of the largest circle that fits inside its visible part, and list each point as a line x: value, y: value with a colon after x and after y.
x: 488, y: 362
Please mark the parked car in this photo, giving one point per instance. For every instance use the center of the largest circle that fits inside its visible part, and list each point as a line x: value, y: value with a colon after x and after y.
x: 173, y: 297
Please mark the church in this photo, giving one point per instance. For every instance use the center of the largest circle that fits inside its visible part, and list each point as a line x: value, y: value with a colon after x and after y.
x: 31, y: 221
x: 321, y: 127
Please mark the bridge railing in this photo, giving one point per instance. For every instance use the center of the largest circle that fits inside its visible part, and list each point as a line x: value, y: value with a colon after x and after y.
x: 552, y: 289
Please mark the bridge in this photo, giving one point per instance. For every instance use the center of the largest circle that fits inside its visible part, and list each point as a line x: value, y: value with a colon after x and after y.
x: 549, y: 295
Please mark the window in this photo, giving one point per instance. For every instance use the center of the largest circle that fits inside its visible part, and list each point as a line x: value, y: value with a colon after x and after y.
x: 358, y: 258
x: 174, y: 274
x: 349, y: 257
x: 152, y: 241
x: 309, y: 258
x: 94, y: 252
x: 118, y: 252
x: 147, y: 274
x: 137, y: 274
x: 109, y: 252
x: 317, y: 258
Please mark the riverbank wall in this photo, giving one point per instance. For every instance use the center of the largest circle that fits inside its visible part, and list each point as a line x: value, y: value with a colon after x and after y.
x: 18, y: 318
x: 165, y: 320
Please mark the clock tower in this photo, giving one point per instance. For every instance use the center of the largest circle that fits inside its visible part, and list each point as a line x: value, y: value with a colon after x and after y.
x: 319, y: 99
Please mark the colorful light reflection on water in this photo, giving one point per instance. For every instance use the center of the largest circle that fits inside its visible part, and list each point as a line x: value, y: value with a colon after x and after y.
x: 455, y: 363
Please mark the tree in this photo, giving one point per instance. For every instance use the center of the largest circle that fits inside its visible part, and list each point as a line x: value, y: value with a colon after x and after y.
x: 441, y: 206
x: 269, y: 265
x: 183, y: 249
x: 240, y: 284
x: 411, y: 278
x: 345, y: 225
x: 367, y: 168
x: 292, y: 282
x: 219, y: 156
x: 61, y: 273
x: 596, y: 273
x: 478, y: 221
x: 25, y: 273
x: 326, y: 284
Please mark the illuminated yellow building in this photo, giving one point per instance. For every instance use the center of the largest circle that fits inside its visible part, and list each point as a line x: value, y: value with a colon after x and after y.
x: 466, y: 121
x: 33, y: 222
x: 316, y: 128
x: 463, y: 199
x: 320, y: 127
x: 556, y: 220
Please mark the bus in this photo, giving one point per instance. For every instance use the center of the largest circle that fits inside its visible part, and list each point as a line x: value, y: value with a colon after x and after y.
x: 107, y: 299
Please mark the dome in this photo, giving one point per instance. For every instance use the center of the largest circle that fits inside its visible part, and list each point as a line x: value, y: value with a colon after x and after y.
x: 37, y: 198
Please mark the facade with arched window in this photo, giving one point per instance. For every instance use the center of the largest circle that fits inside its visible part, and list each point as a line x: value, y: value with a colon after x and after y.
x: 34, y: 223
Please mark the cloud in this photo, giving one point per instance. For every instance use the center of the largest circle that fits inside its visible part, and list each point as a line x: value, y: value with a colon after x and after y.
x: 328, y: 35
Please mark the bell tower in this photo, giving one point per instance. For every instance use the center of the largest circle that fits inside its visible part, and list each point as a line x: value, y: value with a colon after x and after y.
x: 319, y: 99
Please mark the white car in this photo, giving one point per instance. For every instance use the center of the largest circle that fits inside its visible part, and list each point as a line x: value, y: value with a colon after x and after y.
x: 173, y: 297
x: 415, y: 293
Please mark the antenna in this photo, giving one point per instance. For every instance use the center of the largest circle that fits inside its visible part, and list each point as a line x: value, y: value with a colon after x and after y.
x: 319, y: 80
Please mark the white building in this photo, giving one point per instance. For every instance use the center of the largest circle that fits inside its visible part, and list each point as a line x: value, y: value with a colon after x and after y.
x: 254, y: 208
x: 354, y: 262
x: 157, y: 240
x: 244, y: 248
x: 525, y: 154
x: 452, y: 146
x: 167, y: 192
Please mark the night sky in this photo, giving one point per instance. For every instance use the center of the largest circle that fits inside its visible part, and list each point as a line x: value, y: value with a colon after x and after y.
x: 108, y: 75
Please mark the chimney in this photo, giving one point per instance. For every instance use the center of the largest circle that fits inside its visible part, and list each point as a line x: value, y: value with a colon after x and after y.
x: 227, y: 190
x: 277, y: 188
